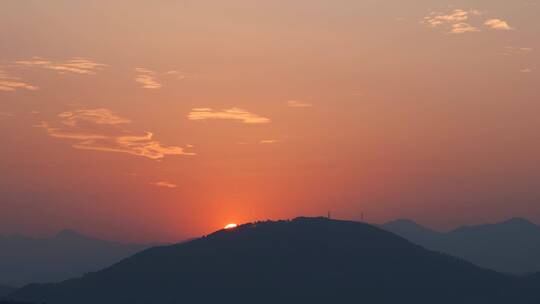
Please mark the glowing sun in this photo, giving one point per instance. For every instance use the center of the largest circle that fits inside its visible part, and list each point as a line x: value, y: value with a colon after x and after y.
x: 231, y: 226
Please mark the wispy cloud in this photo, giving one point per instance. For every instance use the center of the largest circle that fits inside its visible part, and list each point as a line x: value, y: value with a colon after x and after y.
x: 514, y: 50
x: 100, y: 130
x: 149, y: 79
x: 77, y: 65
x: 460, y: 28
x: 498, y: 24
x: 99, y: 116
x: 164, y: 184
x: 268, y: 141
x: 179, y: 75
x: 436, y: 19
x: 298, y: 104
x: 6, y: 114
x: 455, y: 22
x: 460, y: 21
x: 10, y: 83
x: 71, y: 133
x: 526, y: 70
x: 235, y: 114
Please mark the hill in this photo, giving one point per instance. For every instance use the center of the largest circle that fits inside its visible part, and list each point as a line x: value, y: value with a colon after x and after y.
x: 311, y: 260
x: 511, y: 246
x: 68, y: 254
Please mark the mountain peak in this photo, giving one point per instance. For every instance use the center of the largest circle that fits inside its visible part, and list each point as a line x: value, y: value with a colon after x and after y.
x: 402, y: 222
x: 513, y: 224
x: 410, y: 230
x: 70, y: 234
x: 407, y: 225
x: 519, y: 221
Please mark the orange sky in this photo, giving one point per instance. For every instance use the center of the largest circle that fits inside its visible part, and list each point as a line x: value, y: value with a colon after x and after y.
x: 160, y: 120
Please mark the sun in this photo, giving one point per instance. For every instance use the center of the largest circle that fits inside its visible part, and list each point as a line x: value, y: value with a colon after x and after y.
x: 231, y: 226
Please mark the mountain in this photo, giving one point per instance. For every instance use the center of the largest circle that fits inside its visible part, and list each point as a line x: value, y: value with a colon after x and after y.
x: 5, y: 290
x: 69, y: 254
x: 512, y: 246
x: 411, y: 231
x: 305, y: 260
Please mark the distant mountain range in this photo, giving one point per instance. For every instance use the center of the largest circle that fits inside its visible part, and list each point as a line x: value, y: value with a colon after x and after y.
x: 306, y: 260
x: 512, y: 246
x: 69, y: 254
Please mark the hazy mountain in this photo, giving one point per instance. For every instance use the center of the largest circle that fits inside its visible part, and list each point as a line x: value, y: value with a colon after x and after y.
x: 411, y: 231
x: 512, y: 246
x: 69, y: 254
x: 306, y: 260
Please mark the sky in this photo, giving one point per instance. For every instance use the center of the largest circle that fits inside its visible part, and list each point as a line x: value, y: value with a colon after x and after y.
x: 160, y: 120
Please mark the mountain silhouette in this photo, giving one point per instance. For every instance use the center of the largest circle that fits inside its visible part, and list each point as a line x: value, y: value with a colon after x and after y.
x: 305, y: 260
x: 68, y: 254
x: 512, y: 246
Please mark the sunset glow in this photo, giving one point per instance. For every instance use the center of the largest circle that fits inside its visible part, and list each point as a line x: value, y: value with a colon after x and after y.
x: 166, y: 117
x: 374, y: 151
x: 230, y: 226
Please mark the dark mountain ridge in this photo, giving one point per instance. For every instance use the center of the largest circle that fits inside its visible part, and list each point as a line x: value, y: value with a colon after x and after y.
x: 512, y: 246
x: 302, y: 260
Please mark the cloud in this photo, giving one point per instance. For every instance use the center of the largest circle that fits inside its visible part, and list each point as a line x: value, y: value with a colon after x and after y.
x: 100, y: 130
x: 459, y: 21
x: 6, y: 114
x: 514, y: 50
x: 526, y: 70
x: 237, y: 114
x: 298, y: 104
x: 460, y: 28
x: 10, y: 83
x: 435, y: 19
x: 498, y: 24
x: 70, y: 133
x: 455, y: 22
x: 147, y: 79
x: 142, y: 145
x: 77, y: 65
x: 179, y: 75
x: 268, y: 141
x: 164, y: 184
x: 99, y: 116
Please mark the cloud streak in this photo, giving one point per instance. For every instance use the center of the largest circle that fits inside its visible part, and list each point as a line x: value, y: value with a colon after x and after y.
x: 460, y: 21
x: 147, y: 79
x: 6, y: 114
x: 456, y: 22
x: 235, y: 114
x: 165, y: 184
x: 77, y: 65
x: 268, y: 141
x: 100, y: 130
x: 461, y: 28
x: 10, y: 83
x: 436, y: 19
x: 99, y: 116
x: 514, y: 50
x: 298, y: 104
x: 498, y: 24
